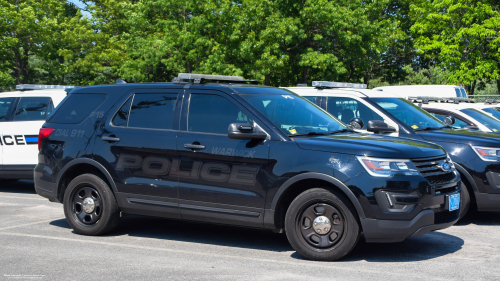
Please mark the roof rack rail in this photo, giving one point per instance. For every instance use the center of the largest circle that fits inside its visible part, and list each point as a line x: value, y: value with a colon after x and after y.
x: 426, y: 99
x: 24, y: 87
x: 204, y: 78
x: 491, y: 101
x: 329, y: 85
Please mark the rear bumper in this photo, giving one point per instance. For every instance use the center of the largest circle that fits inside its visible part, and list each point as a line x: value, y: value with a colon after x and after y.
x: 388, y: 231
x: 21, y: 172
x: 44, y: 188
x: 488, y: 202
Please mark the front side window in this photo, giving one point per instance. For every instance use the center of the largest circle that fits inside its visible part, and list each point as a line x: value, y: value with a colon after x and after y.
x: 32, y: 109
x: 408, y: 113
x: 293, y: 114
x: 151, y: 111
x: 213, y: 114
x: 345, y: 109
x: 5, y: 107
x: 488, y: 121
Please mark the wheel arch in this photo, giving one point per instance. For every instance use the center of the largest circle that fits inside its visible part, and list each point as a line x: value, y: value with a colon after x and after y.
x: 468, y: 177
x: 81, y: 166
x: 291, y: 186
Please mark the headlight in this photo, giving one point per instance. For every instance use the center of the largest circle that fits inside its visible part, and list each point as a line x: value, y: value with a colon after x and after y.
x: 487, y: 153
x: 388, y: 167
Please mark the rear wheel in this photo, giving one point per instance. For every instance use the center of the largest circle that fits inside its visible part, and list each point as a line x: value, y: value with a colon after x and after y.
x: 89, y: 206
x: 320, y: 225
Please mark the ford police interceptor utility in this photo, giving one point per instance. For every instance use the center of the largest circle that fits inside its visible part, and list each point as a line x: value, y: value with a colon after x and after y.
x: 476, y: 154
x: 22, y: 114
x: 241, y: 154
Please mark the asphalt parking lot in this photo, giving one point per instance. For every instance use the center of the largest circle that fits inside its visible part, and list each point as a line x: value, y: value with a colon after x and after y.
x: 36, y: 243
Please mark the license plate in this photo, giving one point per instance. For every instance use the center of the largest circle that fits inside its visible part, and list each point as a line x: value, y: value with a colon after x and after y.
x: 453, y: 202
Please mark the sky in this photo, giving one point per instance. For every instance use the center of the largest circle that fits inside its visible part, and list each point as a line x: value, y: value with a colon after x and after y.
x: 81, y: 5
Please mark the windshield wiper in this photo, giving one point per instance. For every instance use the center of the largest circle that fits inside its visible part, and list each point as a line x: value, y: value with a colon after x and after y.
x: 321, y: 134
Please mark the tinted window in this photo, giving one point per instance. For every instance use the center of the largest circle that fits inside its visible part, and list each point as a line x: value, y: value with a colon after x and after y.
x: 50, y: 109
x: 458, y: 123
x: 5, y: 108
x: 32, y: 109
x: 121, y: 116
x: 464, y: 93
x: 76, y: 108
x: 458, y: 93
x: 293, y: 114
x: 152, y: 111
x: 483, y: 118
x: 345, y: 109
x: 408, y: 113
x: 492, y: 111
x: 213, y: 114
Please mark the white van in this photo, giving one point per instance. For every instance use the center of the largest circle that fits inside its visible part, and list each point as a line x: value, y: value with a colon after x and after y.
x: 442, y: 91
x: 22, y: 114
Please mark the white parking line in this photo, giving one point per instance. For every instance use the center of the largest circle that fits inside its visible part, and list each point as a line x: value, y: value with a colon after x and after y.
x: 26, y: 224
x: 18, y: 197
x: 269, y: 261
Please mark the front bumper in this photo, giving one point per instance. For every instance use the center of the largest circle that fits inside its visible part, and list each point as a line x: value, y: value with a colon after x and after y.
x: 388, y: 231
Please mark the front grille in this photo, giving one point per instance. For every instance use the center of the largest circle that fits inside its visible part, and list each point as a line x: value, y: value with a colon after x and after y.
x: 446, y: 189
x: 443, y: 216
x: 430, y: 168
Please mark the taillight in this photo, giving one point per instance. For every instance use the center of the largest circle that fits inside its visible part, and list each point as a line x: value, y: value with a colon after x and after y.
x: 44, y: 133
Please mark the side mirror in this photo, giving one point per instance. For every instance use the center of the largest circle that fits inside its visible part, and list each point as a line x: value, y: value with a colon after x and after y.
x: 244, y: 131
x: 379, y: 126
x: 449, y: 120
x: 356, y: 123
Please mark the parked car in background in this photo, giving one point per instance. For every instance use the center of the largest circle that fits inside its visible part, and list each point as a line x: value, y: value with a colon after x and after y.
x: 443, y: 91
x: 22, y: 114
x: 379, y: 112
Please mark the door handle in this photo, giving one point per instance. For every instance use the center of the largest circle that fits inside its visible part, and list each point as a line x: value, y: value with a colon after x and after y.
x: 194, y: 146
x: 111, y: 139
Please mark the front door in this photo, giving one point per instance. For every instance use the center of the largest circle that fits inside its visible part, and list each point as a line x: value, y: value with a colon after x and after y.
x: 139, y: 145
x: 220, y: 179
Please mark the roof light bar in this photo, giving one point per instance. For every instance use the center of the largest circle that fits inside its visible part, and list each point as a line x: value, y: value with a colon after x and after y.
x: 327, y: 84
x: 440, y: 99
x: 23, y: 87
x: 209, y: 77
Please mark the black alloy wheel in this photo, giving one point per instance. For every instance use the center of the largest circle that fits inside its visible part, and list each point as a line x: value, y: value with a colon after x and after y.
x: 90, y: 206
x: 321, y: 225
x: 87, y: 205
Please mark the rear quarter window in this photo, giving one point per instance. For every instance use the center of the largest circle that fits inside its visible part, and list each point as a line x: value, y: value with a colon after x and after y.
x: 76, y: 108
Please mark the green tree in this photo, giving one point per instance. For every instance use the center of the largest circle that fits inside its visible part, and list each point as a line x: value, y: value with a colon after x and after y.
x: 461, y: 35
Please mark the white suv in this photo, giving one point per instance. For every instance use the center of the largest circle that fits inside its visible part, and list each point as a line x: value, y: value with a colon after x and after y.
x: 22, y: 114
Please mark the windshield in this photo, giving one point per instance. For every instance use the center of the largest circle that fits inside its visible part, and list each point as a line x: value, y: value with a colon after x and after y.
x: 294, y: 114
x: 483, y: 118
x: 493, y: 111
x: 408, y: 113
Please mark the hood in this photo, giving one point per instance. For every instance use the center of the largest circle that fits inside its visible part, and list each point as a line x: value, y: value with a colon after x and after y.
x: 463, y: 137
x: 371, y: 145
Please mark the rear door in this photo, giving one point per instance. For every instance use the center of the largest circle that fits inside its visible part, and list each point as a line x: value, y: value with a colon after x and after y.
x: 220, y: 179
x: 7, y: 106
x: 20, y: 133
x: 138, y: 146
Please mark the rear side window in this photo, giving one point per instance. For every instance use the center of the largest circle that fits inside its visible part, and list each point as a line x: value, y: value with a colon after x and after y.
x: 76, y: 108
x: 148, y: 111
x: 5, y: 107
x: 32, y: 109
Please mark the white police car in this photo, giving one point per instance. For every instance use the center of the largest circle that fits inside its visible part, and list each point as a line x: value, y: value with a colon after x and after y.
x: 22, y: 113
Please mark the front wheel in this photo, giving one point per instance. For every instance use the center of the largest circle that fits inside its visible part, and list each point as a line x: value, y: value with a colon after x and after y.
x: 465, y: 204
x: 320, y: 225
x: 89, y: 206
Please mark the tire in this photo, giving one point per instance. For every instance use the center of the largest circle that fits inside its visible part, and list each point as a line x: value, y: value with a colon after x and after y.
x: 84, y: 217
x: 465, y: 204
x: 325, y: 206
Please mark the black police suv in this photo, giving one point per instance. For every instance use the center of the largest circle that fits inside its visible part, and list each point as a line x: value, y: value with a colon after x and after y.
x: 239, y: 154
